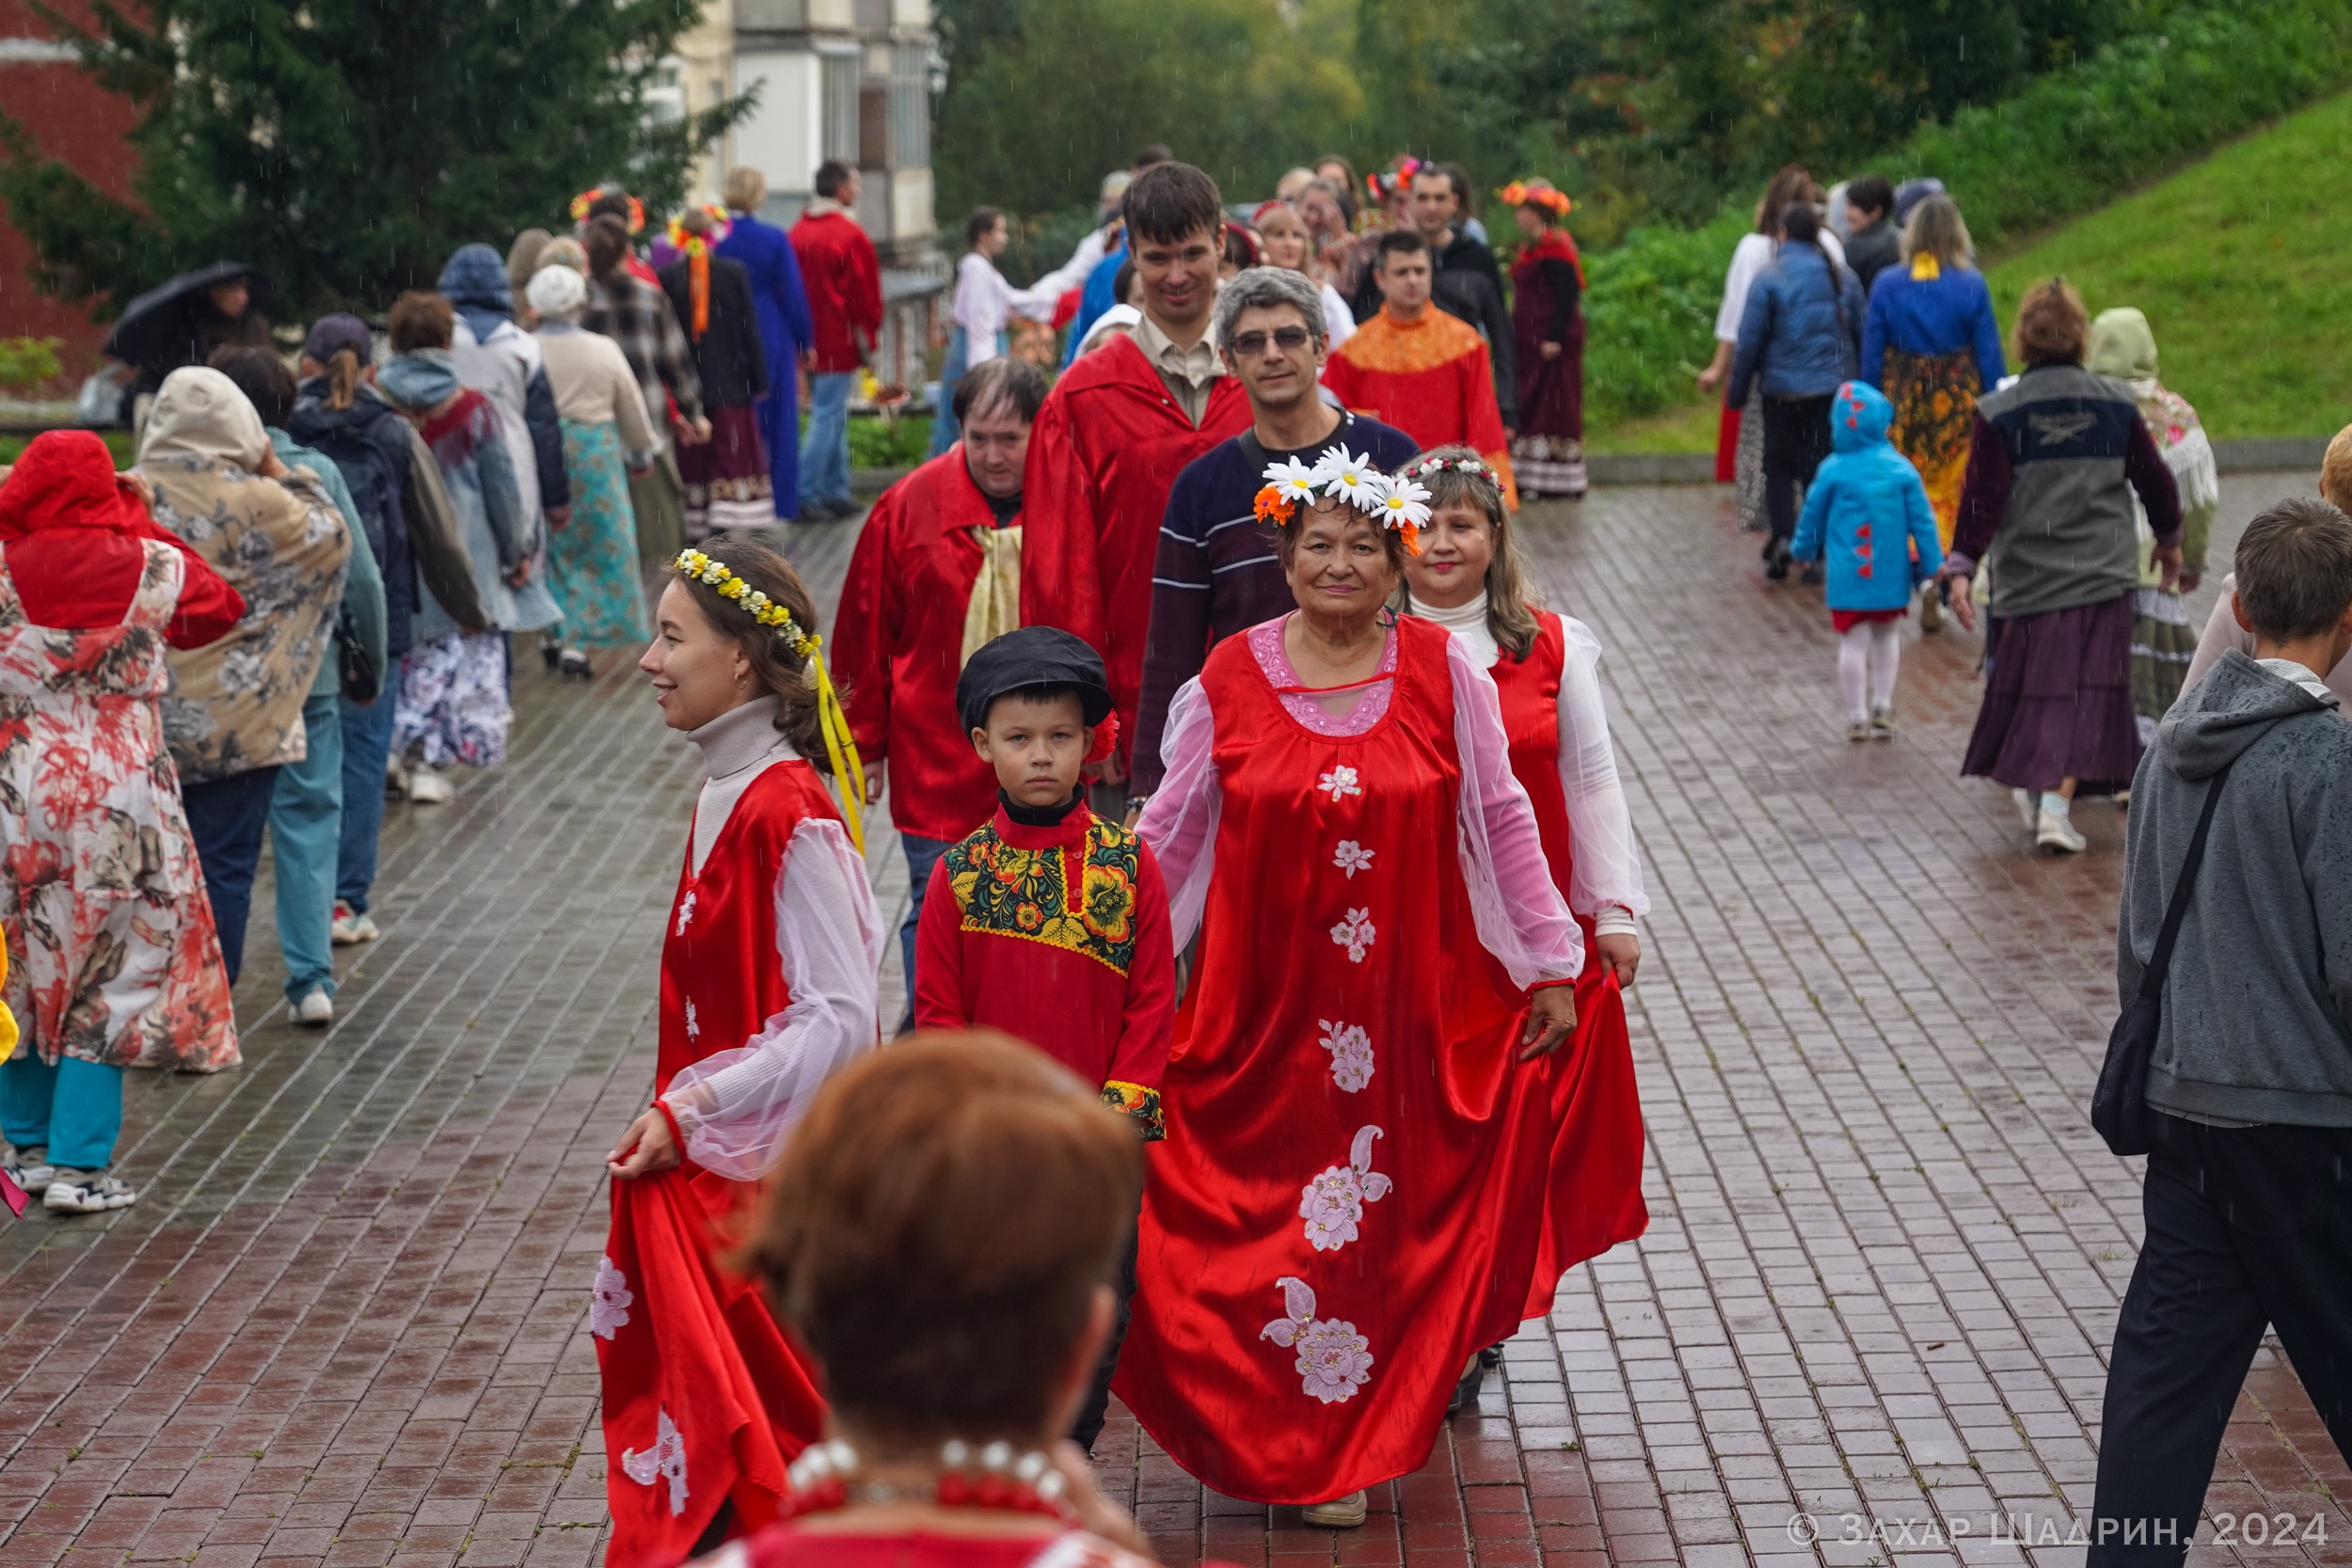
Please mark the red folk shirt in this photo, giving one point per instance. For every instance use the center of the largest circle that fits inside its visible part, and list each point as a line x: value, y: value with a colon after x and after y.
x: 844, y: 281
x: 1104, y: 452
x: 899, y: 646
x: 1430, y: 378
x: 1058, y: 936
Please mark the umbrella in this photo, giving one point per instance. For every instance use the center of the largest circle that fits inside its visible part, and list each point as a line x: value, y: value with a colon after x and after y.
x: 163, y: 319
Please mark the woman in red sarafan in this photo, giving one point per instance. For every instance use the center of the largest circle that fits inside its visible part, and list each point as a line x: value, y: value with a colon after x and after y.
x: 1547, y: 338
x: 1544, y: 665
x: 941, y: 1235
x: 1349, y: 1199
x: 767, y: 968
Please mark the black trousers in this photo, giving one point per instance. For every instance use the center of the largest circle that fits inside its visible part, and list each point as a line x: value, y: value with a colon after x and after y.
x: 2246, y: 1227
x: 1796, y: 438
x: 1089, y: 1426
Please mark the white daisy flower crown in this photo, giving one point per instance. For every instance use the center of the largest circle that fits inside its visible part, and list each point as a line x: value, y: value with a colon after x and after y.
x: 1395, y: 500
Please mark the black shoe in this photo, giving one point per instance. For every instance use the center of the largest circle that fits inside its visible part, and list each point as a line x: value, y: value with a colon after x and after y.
x: 1777, y: 558
x: 550, y: 652
x: 1811, y: 576
x: 576, y: 667
x: 1491, y: 1356
x: 1465, y: 1391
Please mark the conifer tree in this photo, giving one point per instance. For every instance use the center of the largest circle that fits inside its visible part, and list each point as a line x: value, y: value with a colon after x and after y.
x: 344, y: 148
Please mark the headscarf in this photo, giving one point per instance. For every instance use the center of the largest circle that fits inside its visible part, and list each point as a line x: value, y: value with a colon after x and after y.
x: 522, y: 258
x: 475, y: 283
x: 2123, y: 347
x: 557, y: 294
x: 64, y: 479
x: 199, y: 413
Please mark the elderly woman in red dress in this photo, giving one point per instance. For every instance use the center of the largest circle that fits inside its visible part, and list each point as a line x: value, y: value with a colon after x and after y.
x: 768, y: 966
x: 1348, y: 1204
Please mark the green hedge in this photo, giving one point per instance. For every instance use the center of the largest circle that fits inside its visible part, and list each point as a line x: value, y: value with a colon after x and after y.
x: 2067, y: 144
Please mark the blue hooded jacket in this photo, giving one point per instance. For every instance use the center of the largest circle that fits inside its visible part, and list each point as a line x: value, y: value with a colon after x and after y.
x: 1801, y: 334
x: 1867, y: 509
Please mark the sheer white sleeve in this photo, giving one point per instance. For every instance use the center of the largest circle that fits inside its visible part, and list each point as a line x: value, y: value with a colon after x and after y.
x: 1520, y: 917
x: 1608, y: 873
x: 735, y: 1107
x: 1179, y: 821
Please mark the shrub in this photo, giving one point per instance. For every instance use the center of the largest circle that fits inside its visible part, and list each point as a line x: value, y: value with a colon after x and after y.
x: 26, y: 362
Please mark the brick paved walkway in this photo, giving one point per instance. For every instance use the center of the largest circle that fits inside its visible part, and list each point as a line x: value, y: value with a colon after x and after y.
x: 346, y: 1324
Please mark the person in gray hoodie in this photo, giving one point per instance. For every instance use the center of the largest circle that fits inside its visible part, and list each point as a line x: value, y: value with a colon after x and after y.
x: 2248, y: 1193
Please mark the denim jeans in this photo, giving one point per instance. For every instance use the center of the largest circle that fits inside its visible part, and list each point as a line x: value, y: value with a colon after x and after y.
x: 226, y: 818
x: 825, y: 446
x: 922, y: 855
x: 74, y: 1107
x: 367, y: 746
x: 306, y: 826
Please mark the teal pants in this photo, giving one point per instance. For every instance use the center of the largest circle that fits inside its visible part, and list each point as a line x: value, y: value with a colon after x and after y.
x: 75, y: 1107
x: 306, y: 836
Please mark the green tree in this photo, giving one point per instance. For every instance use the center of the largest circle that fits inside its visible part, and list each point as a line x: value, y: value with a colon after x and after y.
x: 1043, y: 97
x: 346, y: 147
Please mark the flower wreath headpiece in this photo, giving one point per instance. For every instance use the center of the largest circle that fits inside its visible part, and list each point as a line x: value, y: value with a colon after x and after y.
x: 585, y: 199
x: 1395, y: 500
x: 1535, y: 192
x: 849, y: 769
x: 695, y: 247
x: 1469, y: 465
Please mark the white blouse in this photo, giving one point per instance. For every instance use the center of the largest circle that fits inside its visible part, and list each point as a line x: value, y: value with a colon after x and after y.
x: 984, y: 302
x: 1606, y: 882
x: 1518, y: 914
x: 734, y: 1107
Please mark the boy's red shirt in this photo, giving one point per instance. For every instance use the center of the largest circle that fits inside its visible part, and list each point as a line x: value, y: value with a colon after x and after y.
x: 1058, y: 936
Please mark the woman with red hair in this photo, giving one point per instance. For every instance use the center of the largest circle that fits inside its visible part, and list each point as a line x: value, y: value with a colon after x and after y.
x: 102, y: 897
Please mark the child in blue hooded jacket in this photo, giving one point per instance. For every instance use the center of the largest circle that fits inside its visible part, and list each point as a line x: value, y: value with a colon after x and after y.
x: 1868, y: 513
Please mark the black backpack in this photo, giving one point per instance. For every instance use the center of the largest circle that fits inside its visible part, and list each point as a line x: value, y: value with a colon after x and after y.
x: 370, y: 444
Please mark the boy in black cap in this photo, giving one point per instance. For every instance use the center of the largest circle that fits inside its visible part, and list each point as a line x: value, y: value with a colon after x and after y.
x: 1050, y: 923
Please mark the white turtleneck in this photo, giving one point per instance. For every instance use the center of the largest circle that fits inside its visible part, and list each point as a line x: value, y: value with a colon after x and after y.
x: 735, y: 1105
x: 1606, y: 880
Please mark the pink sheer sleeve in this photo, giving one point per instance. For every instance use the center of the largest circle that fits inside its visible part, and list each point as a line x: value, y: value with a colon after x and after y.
x: 735, y: 1107
x: 1179, y: 821
x: 1520, y: 916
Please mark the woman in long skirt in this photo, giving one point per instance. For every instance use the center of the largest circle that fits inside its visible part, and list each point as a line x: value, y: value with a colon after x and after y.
x: 607, y: 436
x: 1547, y: 332
x: 728, y: 483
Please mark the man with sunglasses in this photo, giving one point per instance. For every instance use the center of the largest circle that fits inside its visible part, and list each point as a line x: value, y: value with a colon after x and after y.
x: 1214, y: 572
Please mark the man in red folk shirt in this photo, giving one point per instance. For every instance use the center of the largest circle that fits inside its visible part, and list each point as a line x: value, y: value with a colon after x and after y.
x: 1120, y: 425
x: 935, y: 577
x: 1420, y: 369
x: 843, y: 279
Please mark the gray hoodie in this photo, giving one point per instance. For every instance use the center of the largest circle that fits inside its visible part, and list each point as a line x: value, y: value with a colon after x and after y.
x: 2256, y: 1010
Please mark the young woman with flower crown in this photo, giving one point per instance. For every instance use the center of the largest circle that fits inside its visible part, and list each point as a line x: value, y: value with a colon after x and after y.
x: 767, y: 964
x: 1469, y: 580
x: 1348, y: 1201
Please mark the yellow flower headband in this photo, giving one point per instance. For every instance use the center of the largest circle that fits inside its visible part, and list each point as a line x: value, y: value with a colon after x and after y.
x: 849, y: 769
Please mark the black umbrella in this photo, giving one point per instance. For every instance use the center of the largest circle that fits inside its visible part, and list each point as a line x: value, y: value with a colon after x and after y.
x: 162, y: 322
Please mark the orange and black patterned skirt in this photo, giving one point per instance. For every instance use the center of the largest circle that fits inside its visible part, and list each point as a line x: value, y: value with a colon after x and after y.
x: 1936, y: 408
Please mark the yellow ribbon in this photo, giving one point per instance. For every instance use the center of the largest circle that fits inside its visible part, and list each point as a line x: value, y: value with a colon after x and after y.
x: 994, y: 608
x: 848, y: 770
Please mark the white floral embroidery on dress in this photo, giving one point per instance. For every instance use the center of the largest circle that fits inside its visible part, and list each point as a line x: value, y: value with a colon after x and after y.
x: 685, y: 910
x: 1334, y: 1203
x: 1352, y: 857
x: 1340, y: 781
x: 1351, y: 1054
x: 693, y: 1030
x: 1355, y: 933
x: 1333, y: 1359
x: 665, y: 1459
x: 609, y: 1312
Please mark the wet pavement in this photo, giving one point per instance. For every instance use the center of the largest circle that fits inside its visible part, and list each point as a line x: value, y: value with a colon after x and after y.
x: 346, y: 1324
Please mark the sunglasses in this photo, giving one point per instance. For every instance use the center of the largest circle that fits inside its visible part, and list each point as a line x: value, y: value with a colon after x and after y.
x: 1290, y: 340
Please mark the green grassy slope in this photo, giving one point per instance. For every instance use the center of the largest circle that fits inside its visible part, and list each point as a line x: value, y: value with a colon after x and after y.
x: 2243, y: 262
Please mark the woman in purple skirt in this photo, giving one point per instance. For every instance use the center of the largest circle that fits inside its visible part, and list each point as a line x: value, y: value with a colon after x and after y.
x: 2047, y: 506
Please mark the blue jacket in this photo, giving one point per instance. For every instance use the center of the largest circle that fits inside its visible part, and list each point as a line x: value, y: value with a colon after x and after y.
x: 1093, y: 299
x: 1867, y: 509
x: 1931, y: 316
x: 1801, y: 333
x: 782, y: 300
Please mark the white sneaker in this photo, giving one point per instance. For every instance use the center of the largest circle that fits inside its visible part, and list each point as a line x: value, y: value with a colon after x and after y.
x: 2054, y: 832
x: 1882, y: 724
x: 350, y: 928
x: 2029, y: 805
x: 316, y: 1009
x: 87, y: 1191
x: 1858, y: 729
x: 1339, y: 1513
x: 29, y: 1168
x: 428, y: 788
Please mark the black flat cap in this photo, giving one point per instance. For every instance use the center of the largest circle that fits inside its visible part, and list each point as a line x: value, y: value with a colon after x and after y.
x: 1034, y: 656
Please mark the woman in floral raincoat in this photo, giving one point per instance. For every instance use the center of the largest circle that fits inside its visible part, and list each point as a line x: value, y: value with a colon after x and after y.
x: 102, y: 898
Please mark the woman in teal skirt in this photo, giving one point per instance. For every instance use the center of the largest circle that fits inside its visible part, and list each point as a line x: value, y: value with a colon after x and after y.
x: 607, y: 436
